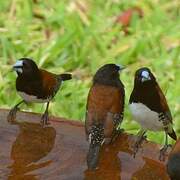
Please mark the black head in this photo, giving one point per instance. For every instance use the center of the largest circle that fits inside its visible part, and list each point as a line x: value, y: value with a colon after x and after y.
x: 144, y: 76
x: 26, y: 67
x: 108, y: 74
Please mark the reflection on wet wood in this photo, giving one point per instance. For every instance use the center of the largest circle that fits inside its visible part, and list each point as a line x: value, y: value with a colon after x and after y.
x: 30, y: 152
x: 32, y: 144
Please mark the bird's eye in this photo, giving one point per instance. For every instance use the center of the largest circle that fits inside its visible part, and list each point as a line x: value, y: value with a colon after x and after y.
x: 25, y: 65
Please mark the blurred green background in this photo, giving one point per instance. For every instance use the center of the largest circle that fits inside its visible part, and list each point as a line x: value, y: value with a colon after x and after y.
x: 79, y: 36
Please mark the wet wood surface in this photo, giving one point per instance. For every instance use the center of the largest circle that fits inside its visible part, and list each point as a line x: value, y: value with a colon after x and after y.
x: 58, y: 152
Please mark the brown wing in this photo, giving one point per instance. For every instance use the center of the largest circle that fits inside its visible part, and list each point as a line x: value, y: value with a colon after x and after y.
x: 166, y: 116
x: 103, y: 105
x: 50, y: 84
x: 163, y: 103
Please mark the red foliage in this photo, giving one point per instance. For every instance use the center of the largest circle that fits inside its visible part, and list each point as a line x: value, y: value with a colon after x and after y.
x: 125, y: 18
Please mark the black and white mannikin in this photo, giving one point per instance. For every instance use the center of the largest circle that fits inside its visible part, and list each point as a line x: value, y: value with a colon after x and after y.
x: 149, y: 108
x: 35, y: 85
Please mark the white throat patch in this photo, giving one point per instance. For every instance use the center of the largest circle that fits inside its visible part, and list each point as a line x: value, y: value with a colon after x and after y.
x: 19, y: 70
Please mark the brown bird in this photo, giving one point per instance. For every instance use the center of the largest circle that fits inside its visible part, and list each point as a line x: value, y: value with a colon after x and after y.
x: 105, y: 107
x: 35, y: 85
x: 173, y: 164
x: 150, y: 109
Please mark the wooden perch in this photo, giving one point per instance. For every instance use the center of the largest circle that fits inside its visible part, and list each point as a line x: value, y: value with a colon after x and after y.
x: 28, y: 151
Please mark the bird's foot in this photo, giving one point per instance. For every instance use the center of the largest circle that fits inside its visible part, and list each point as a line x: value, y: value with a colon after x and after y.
x: 138, y: 144
x: 120, y: 131
x: 136, y: 147
x: 45, y: 119
x: 116, y: 134
x: 12, y: 114
x: 163, y: 152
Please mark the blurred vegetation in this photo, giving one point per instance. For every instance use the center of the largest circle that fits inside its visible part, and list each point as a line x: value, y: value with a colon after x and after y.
x: 79, y: 36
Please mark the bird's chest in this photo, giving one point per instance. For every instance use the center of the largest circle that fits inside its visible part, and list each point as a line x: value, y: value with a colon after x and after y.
x: 147, y: 118
x: 31, y: 91
x: 100, y: 100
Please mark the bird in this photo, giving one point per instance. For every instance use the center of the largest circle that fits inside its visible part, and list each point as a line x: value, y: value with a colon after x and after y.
x: 35, y: 85
x: 104, y: 110
x: 149, y: 108
x: 173, y: 163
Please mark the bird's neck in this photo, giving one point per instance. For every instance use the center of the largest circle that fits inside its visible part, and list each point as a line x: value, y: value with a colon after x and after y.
x: 146, y: 86
x: 108, y: 82
x: 33, y: 76
x: 143, y: 92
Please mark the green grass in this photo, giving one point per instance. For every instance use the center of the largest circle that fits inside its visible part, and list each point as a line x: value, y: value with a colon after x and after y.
x: 61, y: 37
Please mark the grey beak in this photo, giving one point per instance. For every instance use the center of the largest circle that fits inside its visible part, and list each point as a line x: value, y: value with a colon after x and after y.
x: 18, y: 66
x: 120, y: 67
x: 145, y: 76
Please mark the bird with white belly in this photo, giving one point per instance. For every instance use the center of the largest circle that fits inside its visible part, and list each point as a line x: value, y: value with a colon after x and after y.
x: 149, y: 108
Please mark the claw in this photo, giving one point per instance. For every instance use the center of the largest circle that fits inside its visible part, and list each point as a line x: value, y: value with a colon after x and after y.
x: 136, y: 147
x: 45, y: 119
x: 12, y: 115
x: 116, y: 134
x: 163, y: 152
x: 138, y: 144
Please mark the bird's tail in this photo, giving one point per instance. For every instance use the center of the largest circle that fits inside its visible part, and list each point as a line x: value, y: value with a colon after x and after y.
x: 65, y: 77
x: 96, y: 138
x: 173, y: 135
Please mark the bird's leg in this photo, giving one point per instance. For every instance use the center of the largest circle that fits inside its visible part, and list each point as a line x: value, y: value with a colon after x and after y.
x: 115, y: 134
x: 140, y: 138
x: 12, y: 113
x: 163, y: 150
x: 117, y: 119
x: 45, y: 117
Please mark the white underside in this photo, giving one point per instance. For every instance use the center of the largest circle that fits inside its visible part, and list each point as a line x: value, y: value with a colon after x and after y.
x: 30, y: 98
x: 148, y: 119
